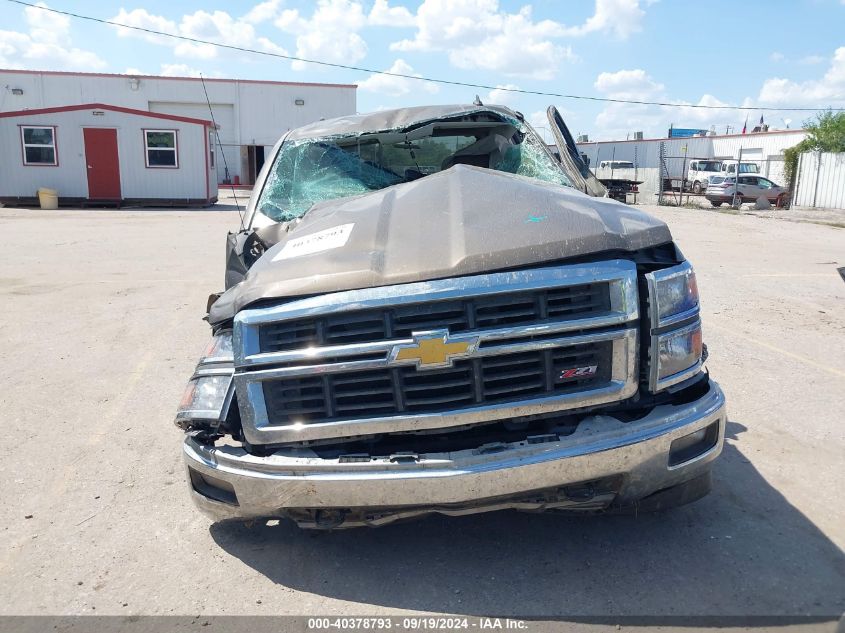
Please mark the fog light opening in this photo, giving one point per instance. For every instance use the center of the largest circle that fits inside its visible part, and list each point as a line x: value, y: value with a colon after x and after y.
x: 213, y: 488
x: 694, y: 444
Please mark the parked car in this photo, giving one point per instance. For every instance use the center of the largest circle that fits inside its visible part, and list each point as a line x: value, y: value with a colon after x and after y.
x: 721, y: 190
x: 427, y: 313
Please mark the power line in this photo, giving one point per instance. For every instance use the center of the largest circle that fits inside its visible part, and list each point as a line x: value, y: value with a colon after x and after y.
x: 447, y: 82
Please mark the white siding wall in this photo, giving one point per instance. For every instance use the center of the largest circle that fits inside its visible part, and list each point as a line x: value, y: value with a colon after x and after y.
x: 820, y: 181
x: 260, y: 111
x: 224, y: 117
x: 70, y: 177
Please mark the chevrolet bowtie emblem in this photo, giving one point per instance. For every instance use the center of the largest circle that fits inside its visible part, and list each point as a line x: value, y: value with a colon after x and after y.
x: 433, y: 349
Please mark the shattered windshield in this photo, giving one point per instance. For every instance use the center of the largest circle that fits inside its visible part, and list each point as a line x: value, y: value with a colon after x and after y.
x: 311, y: 170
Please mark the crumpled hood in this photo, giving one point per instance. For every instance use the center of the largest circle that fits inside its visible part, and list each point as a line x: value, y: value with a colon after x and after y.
x: 462, y: 221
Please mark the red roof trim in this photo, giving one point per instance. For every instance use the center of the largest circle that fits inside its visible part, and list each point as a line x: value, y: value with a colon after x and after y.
x: 103, y: 106
x: 207, y: 79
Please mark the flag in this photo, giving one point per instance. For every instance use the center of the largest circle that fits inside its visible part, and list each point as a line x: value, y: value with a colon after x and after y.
x: 745, y: 125
x: 761, y: 120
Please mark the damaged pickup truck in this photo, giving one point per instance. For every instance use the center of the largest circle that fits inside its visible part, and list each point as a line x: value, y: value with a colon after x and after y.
x: 427, y: 312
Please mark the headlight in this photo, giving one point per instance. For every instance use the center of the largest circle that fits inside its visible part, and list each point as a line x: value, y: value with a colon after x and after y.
x: 209, y: 392
x: 674, y: 295
x: 204, y: 397
x: 676, y: 342
x: 219, y: 350
x: 678, y: 352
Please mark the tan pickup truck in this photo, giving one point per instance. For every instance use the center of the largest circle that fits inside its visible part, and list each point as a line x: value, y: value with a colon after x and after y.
x: 427, y: 312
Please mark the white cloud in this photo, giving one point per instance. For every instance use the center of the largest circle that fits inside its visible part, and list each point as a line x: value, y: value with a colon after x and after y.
x: 776, y: 56
x: 540, y: 122
x: 330, y: 34
x: 810, y: 60
x: 382, y: 14
x: 619, y: 120
x: 262, y: 12
x: 828, y: 90
x: 628, y: 84
x: 619, y: 17
x: 47, y: 43
x: 218, y: 27
x: 477, y: 34
x: 397, y: 86
x: 502, y: 95
x: 141, y: 18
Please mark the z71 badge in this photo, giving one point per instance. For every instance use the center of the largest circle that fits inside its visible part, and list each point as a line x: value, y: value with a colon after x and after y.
x: 578, y: 372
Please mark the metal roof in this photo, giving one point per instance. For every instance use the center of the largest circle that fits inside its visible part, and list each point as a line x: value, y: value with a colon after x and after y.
x: 105, y: 106
x: 206, y: 79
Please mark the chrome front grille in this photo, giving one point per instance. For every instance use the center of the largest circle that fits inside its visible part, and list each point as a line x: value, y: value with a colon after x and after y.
x: 327, y: 367
x: 456, y: 315
x: 488, y: 380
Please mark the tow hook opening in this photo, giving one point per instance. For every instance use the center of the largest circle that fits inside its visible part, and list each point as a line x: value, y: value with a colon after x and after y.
x: 694, y: 444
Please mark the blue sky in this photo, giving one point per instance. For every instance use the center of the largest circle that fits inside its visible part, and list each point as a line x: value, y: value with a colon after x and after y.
x: 776, y: 53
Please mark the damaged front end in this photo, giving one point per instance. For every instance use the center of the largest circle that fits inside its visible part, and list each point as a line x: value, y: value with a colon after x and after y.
x: 426, y: 313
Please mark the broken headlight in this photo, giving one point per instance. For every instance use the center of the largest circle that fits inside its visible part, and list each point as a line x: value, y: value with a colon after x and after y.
x: 209, y: 391
x: 673, y: 293
x: 676, y: 342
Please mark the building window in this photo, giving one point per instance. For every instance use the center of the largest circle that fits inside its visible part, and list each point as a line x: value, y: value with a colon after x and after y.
x: 161, y: 148
x: 39, y: 145
x: 211, y: 149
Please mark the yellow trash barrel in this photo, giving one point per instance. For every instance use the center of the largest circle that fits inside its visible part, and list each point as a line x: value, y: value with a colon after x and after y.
x: 48, y: 198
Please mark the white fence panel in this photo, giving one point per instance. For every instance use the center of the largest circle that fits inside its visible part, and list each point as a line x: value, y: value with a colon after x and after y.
x: 820, y: 181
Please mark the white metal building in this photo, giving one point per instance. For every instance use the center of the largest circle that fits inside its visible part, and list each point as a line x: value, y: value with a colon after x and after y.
x: 251, y: 115
x: 763, y: 148
x: 104, y: 153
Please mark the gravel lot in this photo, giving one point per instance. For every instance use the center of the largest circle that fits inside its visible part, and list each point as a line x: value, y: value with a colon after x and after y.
x: 101, y: 314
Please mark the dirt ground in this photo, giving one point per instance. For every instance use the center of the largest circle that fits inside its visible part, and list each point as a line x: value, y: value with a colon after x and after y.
x: 101, y: 315
x: 831, y: 217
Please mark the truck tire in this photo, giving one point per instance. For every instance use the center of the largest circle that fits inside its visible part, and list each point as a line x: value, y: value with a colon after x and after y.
x: 696, y: 187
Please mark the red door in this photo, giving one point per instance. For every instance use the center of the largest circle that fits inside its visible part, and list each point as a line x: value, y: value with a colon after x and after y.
x: 102, y: 163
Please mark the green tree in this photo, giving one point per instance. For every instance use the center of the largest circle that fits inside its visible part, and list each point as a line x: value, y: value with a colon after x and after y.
x: 825, y: 134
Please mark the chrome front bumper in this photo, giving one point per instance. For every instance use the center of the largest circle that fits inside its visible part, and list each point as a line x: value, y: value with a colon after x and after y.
x: 290, y: 480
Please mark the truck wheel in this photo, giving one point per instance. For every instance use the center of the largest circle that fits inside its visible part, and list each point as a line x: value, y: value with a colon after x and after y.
x: 696, y: 187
